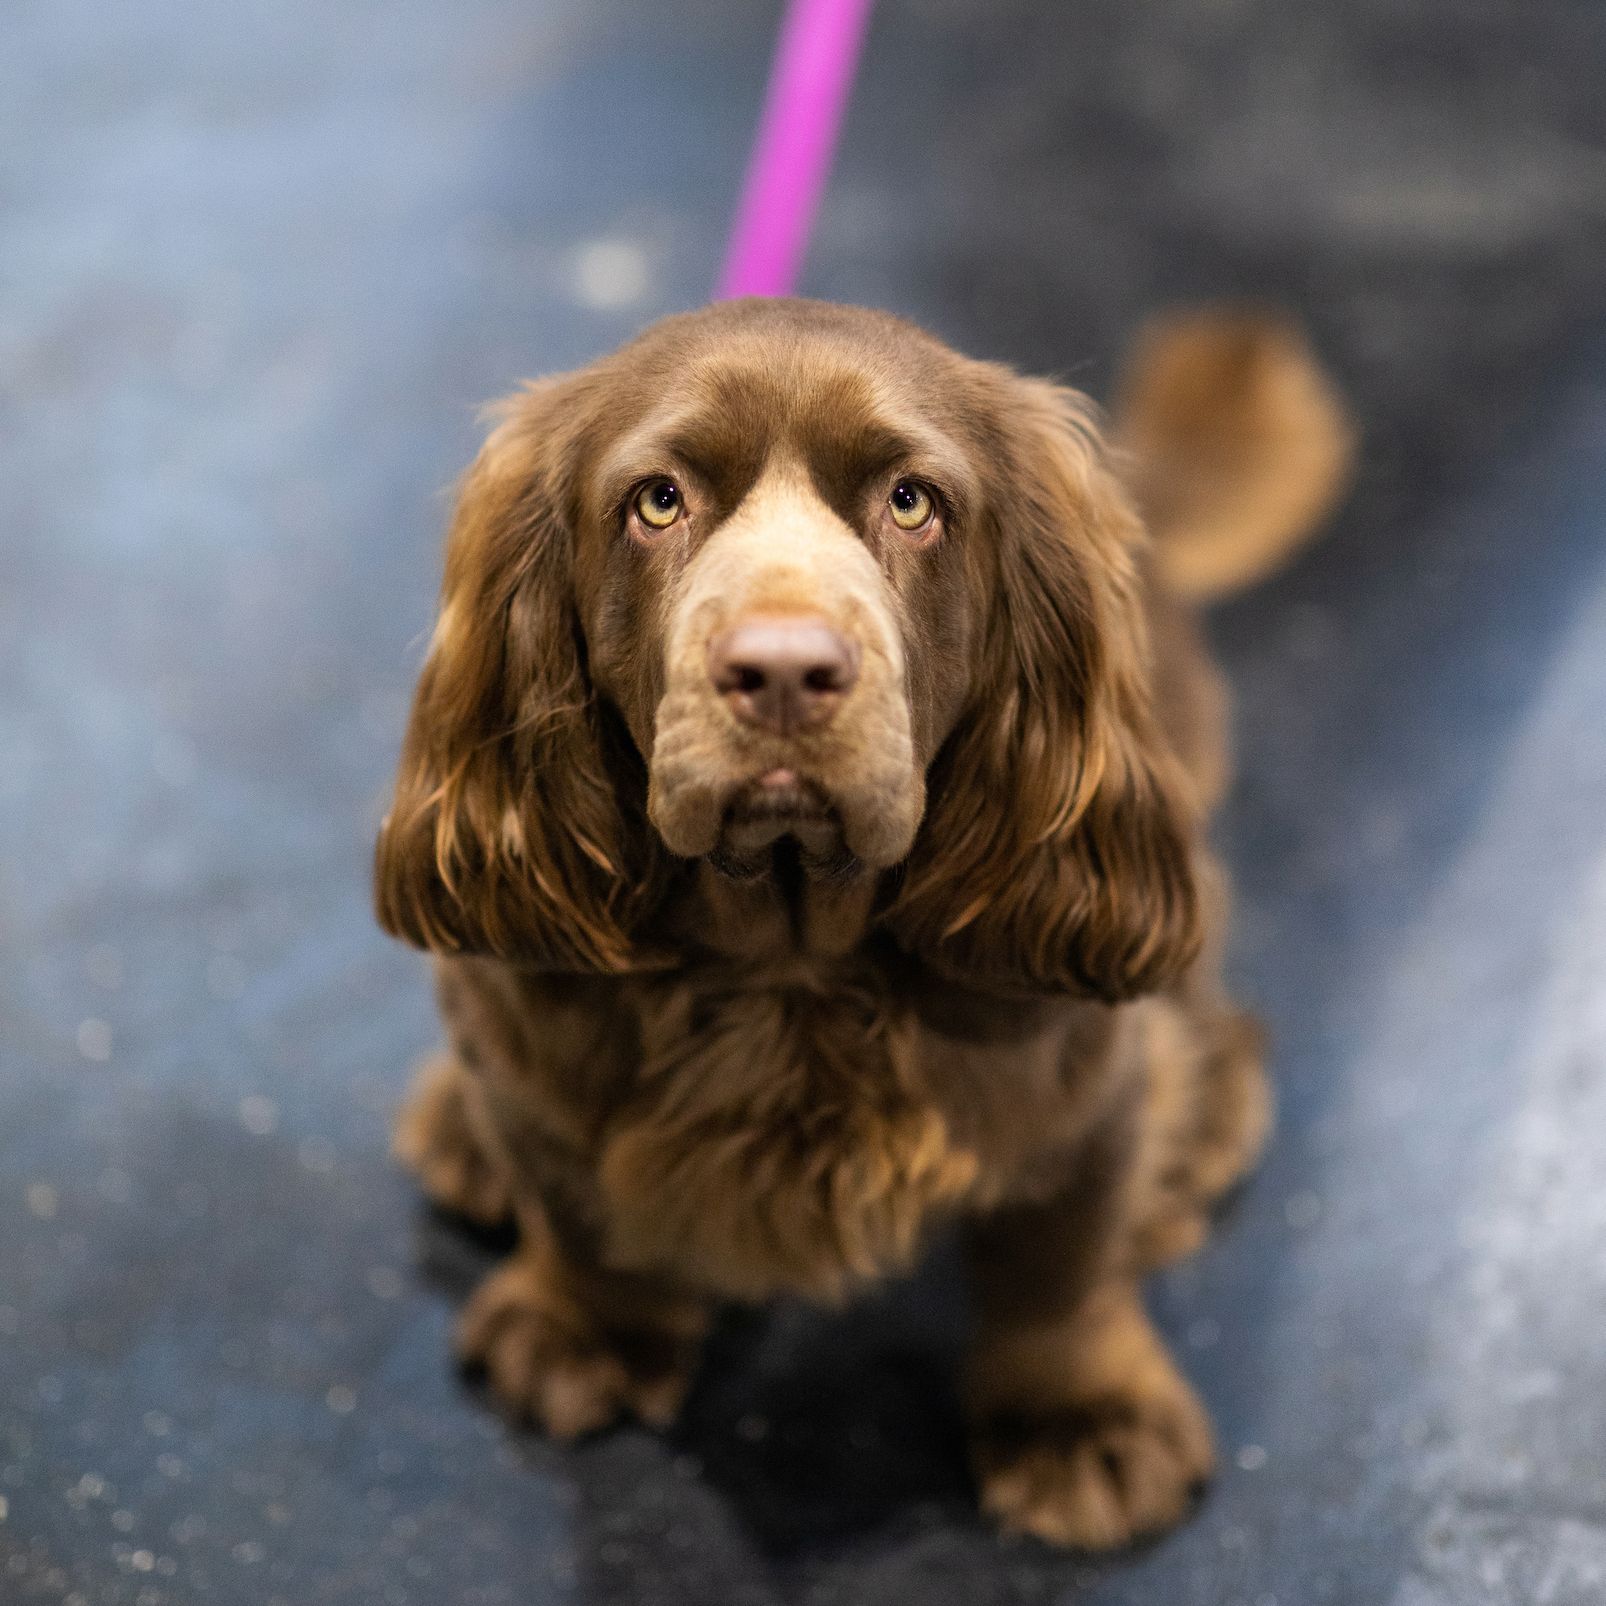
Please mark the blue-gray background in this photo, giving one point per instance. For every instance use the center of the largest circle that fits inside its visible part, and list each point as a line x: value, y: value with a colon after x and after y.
x: 258, y: 264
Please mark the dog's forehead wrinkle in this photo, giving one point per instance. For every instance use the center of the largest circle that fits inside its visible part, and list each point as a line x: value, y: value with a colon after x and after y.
x: 808, y: 388
x: 846, y: 410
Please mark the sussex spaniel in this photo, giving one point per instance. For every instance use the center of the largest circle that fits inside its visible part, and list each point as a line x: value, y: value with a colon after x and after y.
x: 804, y: 798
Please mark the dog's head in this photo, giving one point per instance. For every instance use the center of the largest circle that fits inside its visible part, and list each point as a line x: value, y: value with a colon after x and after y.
x: 778, y: 579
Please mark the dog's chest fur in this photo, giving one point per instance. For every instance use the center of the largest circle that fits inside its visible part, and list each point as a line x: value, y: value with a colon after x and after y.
x: 790, y: 1114
x: 777, y: 1137
x: 778, y: 1132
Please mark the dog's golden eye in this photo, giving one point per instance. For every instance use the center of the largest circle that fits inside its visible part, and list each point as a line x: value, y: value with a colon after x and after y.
x: 912, y: 505
x: 658, y: 504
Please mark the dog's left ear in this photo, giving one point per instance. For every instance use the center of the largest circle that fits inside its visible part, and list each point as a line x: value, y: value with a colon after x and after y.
x: 1057, y: 849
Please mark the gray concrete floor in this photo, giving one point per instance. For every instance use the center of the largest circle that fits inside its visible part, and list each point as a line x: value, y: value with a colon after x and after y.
x: 260, y: 262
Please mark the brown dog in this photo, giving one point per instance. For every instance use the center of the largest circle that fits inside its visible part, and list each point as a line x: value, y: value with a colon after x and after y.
x: 804, y: 796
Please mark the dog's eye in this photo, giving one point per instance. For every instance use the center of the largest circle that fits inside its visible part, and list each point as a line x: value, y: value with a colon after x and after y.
x: 913, y: 506
x: 658, y: 504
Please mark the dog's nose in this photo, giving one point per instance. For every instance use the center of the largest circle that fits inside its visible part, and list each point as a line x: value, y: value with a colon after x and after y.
x: 782, y: 673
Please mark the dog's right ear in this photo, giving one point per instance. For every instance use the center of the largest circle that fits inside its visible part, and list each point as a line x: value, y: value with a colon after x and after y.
x: 507, y: 834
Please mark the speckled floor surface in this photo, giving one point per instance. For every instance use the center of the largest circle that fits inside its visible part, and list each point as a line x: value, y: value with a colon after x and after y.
x: 259, y: 263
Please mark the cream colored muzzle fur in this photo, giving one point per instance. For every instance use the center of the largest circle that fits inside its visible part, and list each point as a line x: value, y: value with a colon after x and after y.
x: 784, y: 551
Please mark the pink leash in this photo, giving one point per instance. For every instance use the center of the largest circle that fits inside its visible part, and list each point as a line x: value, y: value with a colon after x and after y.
x: 808, y: 92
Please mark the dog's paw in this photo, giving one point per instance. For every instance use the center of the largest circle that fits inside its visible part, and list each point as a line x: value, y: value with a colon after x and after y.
x: 1097, y: 1474
x: 436, y: 1140
x: 551, y: 1364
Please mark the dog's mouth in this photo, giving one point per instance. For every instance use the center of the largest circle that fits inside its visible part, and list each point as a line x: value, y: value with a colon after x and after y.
x: 776, y: 806
x: 778, y: 803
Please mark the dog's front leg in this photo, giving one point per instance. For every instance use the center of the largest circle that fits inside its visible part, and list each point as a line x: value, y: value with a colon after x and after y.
x: 1083, y: 1432
x: 440, y: 1135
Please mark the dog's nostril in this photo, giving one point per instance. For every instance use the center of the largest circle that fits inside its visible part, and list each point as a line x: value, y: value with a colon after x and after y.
x: 782, y: 673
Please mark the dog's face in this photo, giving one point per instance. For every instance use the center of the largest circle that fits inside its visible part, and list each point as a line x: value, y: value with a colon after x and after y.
x: 781, y: 578
x: 772, y: 582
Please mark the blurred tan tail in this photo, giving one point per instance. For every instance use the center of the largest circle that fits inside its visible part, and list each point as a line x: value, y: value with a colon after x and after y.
x: 1239, y: 445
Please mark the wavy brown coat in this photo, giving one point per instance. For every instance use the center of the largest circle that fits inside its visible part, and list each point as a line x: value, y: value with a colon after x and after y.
x: 701, y: 1047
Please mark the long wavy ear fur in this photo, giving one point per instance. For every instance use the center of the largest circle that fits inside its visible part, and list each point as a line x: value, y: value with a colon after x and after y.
x: 508, y: 834
x: 1056, y: 853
